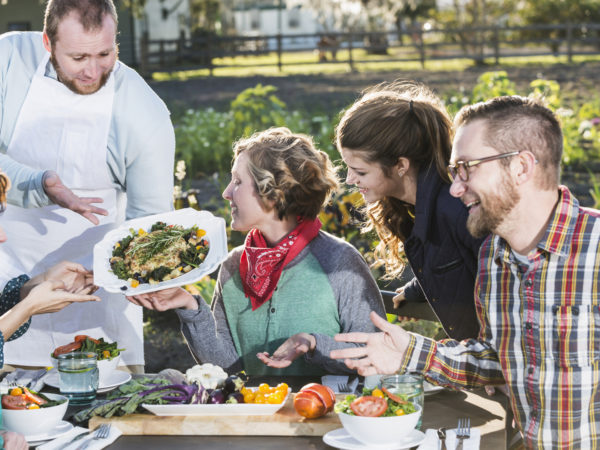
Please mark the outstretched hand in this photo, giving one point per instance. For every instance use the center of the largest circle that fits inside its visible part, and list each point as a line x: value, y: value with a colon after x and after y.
x: 77, y: 279
x: 382, y: 353
x: 61, y: 195
x: 51, y: 296
x: 294, y: 347
x: 166, y: 299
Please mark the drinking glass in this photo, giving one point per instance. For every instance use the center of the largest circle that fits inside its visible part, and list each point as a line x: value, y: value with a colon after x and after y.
x: 78, y: 377
x: 410, y: 386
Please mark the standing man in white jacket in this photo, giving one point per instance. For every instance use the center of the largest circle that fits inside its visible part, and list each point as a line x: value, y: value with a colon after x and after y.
x: 87, y: 144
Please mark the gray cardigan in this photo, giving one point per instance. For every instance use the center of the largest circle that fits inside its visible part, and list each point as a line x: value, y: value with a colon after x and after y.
x: 355, y: 290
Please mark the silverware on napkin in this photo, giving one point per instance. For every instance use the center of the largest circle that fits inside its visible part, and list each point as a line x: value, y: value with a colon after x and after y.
x: 441, y: 432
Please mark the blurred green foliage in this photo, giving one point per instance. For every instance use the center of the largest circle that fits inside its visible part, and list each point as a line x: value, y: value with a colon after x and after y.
x: 205, y: 139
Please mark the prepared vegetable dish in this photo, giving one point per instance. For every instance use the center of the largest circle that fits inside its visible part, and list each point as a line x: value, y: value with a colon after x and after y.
x: 20, y: 397
x: 375, y: 403
x: 83, y: 343
x: 160, y: 254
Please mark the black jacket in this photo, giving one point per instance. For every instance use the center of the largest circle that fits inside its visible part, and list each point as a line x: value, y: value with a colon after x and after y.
x: 443, y: 256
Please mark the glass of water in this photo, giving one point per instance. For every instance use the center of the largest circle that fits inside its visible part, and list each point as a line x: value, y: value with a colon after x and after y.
x: 409, y: 386
x: 78, y: 377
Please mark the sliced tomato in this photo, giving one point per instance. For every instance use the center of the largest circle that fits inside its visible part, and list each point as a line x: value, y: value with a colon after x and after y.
x: 30, y: 397
x: 67, y: 348
x: 394, y: 397
x: 369, y: 406
x: 14, y: 402
x: 83, y: 337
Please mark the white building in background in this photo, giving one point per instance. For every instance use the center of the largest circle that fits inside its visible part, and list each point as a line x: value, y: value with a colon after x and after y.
x: 270, y: 20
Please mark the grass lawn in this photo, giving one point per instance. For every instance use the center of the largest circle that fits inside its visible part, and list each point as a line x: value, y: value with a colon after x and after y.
x: 305, y: 63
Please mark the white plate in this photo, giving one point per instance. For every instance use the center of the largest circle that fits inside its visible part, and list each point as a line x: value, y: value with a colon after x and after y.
x: 188, y: 217
x: 341, y: 439
x: 116, y: 379
x: 63, y: 427
x: 429, y: 388
x: 226, y: 409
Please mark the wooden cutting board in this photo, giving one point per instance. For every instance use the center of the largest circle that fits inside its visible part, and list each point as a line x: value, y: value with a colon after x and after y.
x: 285, y: 422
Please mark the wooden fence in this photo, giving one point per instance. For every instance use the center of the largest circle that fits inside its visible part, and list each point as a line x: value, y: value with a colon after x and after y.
x: 478, y: 44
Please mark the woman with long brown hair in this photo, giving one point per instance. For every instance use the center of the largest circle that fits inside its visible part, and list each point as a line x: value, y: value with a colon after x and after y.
x: 396, y: 142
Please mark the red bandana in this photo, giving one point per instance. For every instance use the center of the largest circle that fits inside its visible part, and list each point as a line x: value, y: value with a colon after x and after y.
x: 260, y: 266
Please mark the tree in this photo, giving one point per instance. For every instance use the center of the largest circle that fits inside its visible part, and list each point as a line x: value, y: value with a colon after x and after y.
x: 469, y: 17
x: 559, y: 12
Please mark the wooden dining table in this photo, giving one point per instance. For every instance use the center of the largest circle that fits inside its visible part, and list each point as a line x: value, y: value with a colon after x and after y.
x: 441, y: 409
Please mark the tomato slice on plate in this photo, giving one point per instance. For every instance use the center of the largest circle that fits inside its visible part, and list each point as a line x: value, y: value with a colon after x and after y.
x: 369, y: 406
x: 394, y: 397
x: 14, y: 402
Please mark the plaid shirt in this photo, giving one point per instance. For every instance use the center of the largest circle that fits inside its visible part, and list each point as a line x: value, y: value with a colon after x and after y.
x: 540, y: 331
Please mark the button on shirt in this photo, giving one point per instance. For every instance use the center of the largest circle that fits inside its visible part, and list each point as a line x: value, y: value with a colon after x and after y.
x: 540, y: 329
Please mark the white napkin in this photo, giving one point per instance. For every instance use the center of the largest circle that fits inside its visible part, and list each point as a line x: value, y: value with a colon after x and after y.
x: 432, y: 442
x: 95, y: 444
x: 333, y: 381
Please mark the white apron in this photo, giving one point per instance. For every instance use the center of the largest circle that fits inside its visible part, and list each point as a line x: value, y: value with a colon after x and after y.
x: 68, y: 133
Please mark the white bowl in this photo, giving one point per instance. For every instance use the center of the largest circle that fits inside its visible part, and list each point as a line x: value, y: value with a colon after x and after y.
x: 106, y: 367
x: 35, y: 421
x: 380, y: 430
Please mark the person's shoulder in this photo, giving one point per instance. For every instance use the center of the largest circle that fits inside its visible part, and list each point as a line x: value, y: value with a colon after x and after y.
x: 27, y: 44
x: 133, y: 92
x: 449, y: 205
x: 333, y: 249
x: 231, y: 264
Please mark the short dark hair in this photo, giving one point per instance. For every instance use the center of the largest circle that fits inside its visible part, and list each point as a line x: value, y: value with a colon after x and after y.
x: 520, y: 123
x: 91, y: 14
x: 289, y: 171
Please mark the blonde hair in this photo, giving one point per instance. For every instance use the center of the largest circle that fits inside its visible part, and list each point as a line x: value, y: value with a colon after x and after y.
x: 288, y: 171
x: 4, y: 187
x: 391, y: 121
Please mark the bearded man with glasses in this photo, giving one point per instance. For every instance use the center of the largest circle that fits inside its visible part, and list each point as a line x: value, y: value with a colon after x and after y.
x: 536, y: 292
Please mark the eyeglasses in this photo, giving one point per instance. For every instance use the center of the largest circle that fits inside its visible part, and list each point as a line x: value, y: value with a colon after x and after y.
x: 461, y: 168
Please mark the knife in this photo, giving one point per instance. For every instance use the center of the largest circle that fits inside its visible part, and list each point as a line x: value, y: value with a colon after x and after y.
x: 441, y: 432
x: 38, y: 376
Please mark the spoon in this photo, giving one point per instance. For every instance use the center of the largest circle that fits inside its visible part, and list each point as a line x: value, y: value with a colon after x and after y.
x: 441, y: 432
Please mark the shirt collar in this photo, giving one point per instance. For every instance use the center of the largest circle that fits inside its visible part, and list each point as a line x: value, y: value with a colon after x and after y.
x: 428, y: 186
x: 557, y: 238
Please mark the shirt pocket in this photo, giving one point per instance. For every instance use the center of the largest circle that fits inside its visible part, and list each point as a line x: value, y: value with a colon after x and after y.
x: 576, y: 336
x: 447, y: 267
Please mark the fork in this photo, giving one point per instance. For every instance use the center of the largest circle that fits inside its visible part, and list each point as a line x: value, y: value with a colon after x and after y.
x: 463, y: 431
x: 101, y: 433
x: 343, y: 388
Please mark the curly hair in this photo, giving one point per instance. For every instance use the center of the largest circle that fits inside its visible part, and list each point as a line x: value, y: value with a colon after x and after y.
x: 91, y: 14
x: 391, y: 121
x: 289, y: 172
x: 4, y: 187
x: 520, y: 123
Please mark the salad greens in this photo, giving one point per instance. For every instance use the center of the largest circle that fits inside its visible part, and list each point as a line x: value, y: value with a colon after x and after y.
x: 343, y: 406
x: 104, y: 350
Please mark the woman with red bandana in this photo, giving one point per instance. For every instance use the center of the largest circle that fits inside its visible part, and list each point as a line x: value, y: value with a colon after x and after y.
x: 282, y: 296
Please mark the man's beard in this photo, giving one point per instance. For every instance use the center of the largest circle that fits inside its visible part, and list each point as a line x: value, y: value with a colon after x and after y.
x: 493, y: 209
x: 71, y: 83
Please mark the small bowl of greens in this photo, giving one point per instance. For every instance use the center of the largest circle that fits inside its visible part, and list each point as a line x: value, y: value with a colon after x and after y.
x: 108, y: 354
x: 32, y: 413
x: 378, y: 418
